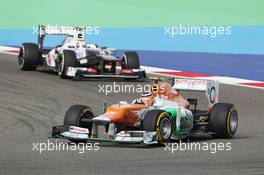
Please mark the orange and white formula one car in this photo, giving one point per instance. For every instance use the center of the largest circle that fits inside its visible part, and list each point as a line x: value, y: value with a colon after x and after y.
x: 156, y: 117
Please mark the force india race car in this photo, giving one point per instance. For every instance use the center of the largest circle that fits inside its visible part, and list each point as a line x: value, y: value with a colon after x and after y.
x: 73, y: 57
x: 163, y: 120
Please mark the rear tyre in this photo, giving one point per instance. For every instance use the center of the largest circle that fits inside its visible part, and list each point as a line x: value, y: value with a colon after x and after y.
x: 159, y: 121
x: 67, y: 59
x: 75, y: 115
x: 130, y: 60
x: 223, y: 120
x: 28, y: 56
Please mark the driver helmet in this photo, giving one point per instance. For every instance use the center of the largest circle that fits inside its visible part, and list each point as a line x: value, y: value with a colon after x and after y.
x: 147, y: 98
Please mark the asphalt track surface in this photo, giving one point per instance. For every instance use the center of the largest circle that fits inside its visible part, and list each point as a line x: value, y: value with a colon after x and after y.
x: 32, y: 102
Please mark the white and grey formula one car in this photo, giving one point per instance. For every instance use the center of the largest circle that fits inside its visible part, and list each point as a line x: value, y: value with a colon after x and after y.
x: 74, y: 57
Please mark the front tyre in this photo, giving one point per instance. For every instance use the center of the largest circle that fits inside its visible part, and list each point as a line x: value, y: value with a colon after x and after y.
x: 159, y: 121
x: 28, y: 56
x: 223, y: 120
x: 66, y: 59
x: 75, y: 115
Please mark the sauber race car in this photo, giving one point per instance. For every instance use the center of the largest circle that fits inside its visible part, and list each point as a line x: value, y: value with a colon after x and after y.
x: 73, y: 57
x: 154, y: 118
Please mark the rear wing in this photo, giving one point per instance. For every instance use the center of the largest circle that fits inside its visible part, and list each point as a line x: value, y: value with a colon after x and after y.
x: 60, y: 30
x: 74, y: 31
x: 210, y: 87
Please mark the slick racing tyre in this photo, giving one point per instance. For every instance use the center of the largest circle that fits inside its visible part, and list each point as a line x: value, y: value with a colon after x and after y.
x: 130, y: 60
x: 75, y: 115
x: 28, y: 56
x: 66, y: 59
x: 159, y: 121
x: 223, y: 120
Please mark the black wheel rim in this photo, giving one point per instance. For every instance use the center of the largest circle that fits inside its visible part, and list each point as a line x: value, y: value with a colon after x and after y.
x: 61, y: 66
x: 21, y: 60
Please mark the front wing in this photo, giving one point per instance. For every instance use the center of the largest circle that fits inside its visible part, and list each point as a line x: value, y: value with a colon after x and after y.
x: 82, y: 134
x: 89, y: 73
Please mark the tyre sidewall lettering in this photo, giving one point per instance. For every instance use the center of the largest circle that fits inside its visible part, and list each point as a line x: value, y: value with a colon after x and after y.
x: 161, y: 116
x: 229, y: 120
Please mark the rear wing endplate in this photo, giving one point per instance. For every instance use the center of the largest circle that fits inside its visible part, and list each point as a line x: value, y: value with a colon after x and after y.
x: 210, y: 87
